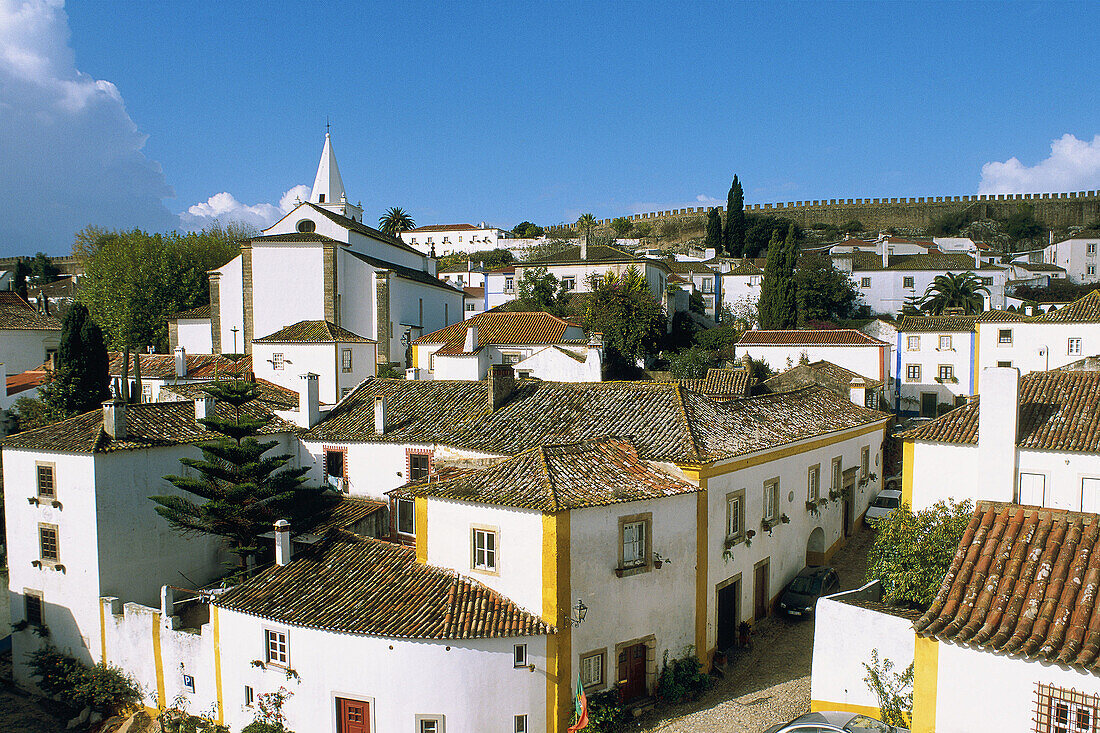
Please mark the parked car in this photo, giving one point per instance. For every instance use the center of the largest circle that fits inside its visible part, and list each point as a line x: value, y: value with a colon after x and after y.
x: 828, y: 721
x: 800, y: 595
x: 887, y: 501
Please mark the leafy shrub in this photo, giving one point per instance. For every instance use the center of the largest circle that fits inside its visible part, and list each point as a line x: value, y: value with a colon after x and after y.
x: 682, y: 678
x: 605, y: 713
x: 105, y: 688
x: 258, y: 726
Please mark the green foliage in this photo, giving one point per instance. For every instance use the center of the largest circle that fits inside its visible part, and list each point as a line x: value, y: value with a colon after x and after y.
x: 258, y: 726
x: 733, y: 235
x: 950, y: 222
x: 631, y: 320
x: 1059, y: 291
x: 19, y: 277
x: 823, y: 292
x: 606, y: 713
x: 79, y: 383
x: 670, y: 228
x: 963, y: 290
x: 539, y: 291
x: 527, y: 230
x: 395, y: 221
x: 761, y: 228
x: 546, y: 248
x: 244, y: 490
x: 691, y: 363
x: 912, y: 553
x: 894, y: 690
x: 853, y: 226
x: 622, y: 226
x: 33, y: 412
x: 642, y: 229
x: 1022, y: 224
x: 722, y: 337
x: 778, y: 306
x: 490, y: 258
x: 104, y: 688
x: 388, y: 371
x: 133, y: 281
x: 586, y: 223
x: 760, y: 370
x: 269, y: 713
x: 713, y: 239
x: 43, y: 270
x: 683, y: 678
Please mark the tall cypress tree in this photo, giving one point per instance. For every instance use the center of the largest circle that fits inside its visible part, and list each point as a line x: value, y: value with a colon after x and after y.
x: 81, y: 375
x: 773, y: 275
x: 736, y: 226
x: 714, y: 231
x: 244, y: 490
x: 787, y: 301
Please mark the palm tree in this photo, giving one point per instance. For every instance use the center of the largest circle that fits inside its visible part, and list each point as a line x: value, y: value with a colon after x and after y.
x: 949, y: 290
x: 395, y: 221
x: 586, y: 222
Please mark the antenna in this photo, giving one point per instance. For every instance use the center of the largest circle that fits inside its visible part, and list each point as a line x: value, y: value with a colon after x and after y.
x: 327, y: 125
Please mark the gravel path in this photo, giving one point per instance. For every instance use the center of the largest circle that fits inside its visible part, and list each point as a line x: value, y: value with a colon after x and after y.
x: 771, y: 683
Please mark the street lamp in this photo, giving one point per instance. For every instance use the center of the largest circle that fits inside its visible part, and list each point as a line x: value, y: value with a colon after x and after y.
x: 582, y: 611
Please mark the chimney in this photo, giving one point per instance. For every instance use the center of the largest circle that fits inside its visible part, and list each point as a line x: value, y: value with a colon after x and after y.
x: 114, y: 419
x: 857, y: 391
x: 584, y: 247
x: 380, y: 416
x: 204, y: 407
x: 282, y: 542
x: 181, y: 362
x: 746, y: 363
x: 886, y: 254
x: 471, y: 339
x: 309, y: 401
x: 502, y: 380
x: 412, y: 373
x: 977, y: 257
x: 998, y: 417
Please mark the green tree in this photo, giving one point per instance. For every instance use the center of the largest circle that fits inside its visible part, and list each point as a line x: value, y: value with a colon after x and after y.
x: 894, y: 690
x: 527, y: 230
x: 631, y: 320
x: 43, y: 270
x: 81, y: 377
x: 736, y: 226
x: 19, y: 277
x: 585, y: 223
x: 539, y: 291
x: 950, y: 290
x: 622, y: 226
x: 824, y: 293
x: 778, y: 306
x: 244, y: 492
x: 395, y: 221
x: 713, y: 238
x: 1023, y: 225
x: 690, y: 363
x: 761, y: 227
x: 912, y: 553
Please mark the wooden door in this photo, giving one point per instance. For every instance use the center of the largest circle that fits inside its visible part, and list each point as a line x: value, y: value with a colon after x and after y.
x: 632, y: 672
x: 760, y: 592
x: 727, y: 620
x: 847, y: 517
x: 352, y: 716
x: 928, y: 402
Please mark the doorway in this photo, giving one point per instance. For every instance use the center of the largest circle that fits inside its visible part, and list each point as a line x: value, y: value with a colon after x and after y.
x: 761, y: 594
x: 815, y: 547
x: 352, y: 716
x: 928, y: 402
x: 632, y: 672
x: 728, y: 614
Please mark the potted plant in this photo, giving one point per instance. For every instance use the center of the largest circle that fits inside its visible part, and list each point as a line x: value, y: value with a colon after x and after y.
x: 812, y: 508
x: 784, y: 519
x: 749, y: 534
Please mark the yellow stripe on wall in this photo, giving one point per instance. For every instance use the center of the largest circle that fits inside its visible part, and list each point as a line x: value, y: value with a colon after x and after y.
x: 702, y: 574
x: 555, y: 610
x: 420, y: 514
x: 158, y: 664
x: 102, y: 633
x: 217, y: 662
x: 925, y: 672
x: 907, y: 450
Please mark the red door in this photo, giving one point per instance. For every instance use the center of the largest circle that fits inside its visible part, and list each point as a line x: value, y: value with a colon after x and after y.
x: 352, y: 716
x: 632, y: 672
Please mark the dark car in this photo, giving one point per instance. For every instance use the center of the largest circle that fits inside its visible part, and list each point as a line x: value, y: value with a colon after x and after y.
x: 828, y: 722
x: 800, y: 595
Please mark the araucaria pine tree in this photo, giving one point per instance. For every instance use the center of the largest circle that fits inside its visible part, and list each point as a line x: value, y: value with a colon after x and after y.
x: 243, y: 491
x: 80, y: 377
x: 714, y: 231
x: 734, y: 233
x: 778, y: 307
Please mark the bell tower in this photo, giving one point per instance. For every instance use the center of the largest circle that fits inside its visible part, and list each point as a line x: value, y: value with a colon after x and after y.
x: 328, y: 186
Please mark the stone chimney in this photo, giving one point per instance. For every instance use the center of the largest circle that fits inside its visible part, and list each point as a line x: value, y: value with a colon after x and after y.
x: 282, y: 542
x: 470, y: 345
x: 114, y: 419
x: 181, y: 362
x: 857, y: 391
x: 380, y: 416
x: 501, y: 382
x: 204, y: 407
x: 309, y: 400
x: 998, y: 419
x: 584, y: 247
x: 746, y: 363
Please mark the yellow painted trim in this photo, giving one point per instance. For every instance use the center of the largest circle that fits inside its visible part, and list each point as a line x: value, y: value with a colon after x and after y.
x: 907, y: 450
x: 415, y: 348
x: 925, y: 670
x: 708, y: 471
x: 217, y: 661
x: 702, y: 573
x: 158, y: 663
x: 977, y: 348
x: 843, y: 707
x: 420, y: 512
x: 555, y: 610
x: 102, y: 633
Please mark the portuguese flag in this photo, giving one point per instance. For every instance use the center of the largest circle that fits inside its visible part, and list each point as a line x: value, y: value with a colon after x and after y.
x: 581, y: 709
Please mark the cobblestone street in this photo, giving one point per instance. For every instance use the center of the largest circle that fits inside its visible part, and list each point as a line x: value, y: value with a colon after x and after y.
x: 771, y: 683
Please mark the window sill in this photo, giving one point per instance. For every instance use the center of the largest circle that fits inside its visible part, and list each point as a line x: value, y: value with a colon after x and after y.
x: 633, y: 570
x: 50, y: 564
x: 485, y: 571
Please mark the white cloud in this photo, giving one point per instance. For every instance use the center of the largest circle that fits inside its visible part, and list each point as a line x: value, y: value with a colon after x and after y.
x: 71, y: 154
x: 708, y: 200
x: 225, y: 208
x: 1073, y: 165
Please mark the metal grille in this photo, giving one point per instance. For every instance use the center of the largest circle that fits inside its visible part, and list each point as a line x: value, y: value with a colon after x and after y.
x: 1058, y: 710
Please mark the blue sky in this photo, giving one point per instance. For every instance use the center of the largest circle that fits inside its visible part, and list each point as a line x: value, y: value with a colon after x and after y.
x: 539, y: 111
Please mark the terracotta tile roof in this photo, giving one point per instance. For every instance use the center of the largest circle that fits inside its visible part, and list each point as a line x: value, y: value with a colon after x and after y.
x: 276, y: 397
x: 406, y: 272
x: 926, y: 324
x: 149, y: 425
x: 203, y: 311
x: 665, y: 422
x: 1000, y: 316
x: 447, y: 228
x: 199, y: 366
x: 344, y: 514
x: 478, y: 292
x: 1083, y: 310
x: 1039, y: 267
x: 1023, y: 582
x: 824, y: 337
x: 297, y: 237
x: 1058, y: 411
x: 17, y: 314
x: 745, y: 268
x: 553, y: 478
x: 315, y: 332
x: 688, y: 267
x: 504, y: 328
x: 596, y: 253
x: 360, y: 585
x: 941, y: 261
x: 29, y: 379
x: 720, y: 384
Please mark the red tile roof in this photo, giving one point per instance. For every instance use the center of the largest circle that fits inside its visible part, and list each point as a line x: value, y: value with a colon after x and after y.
x: 199, y: 366
x: 825, y: 337
x: 29, y: 379
x: 1083, y: 310
x: 496, y: 327
x: 314, y: 332
x: 17, y: 314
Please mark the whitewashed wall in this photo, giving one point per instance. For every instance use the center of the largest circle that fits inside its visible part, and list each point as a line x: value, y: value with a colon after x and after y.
x: 929, y: 358
x: 195, y: 337
x: 868, y: 361
x: 322, y: 359
x: 231, y: 305
x: 288, y: 285
x: 549, y: 364
x: 1035, y: 347
x: 1072, y: 254
x: 21, y: 350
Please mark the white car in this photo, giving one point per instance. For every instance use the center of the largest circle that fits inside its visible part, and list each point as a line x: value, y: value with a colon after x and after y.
x: 887, y: 501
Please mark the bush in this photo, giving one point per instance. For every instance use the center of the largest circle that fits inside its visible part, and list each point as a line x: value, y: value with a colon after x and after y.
x: 104, y: 688
x: 605, y: 713
x: 258, y: 726
x: 682, y: 678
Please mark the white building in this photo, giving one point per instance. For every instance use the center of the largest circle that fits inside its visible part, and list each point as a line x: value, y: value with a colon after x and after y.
x: 463, y: 275
x: 158, y: 371
x: 192, y: 328
x: 844, y: 347
x: 340, y: 358
x: 1077, y: 256
x: 740, y: 286
x: 320, y: 262
x: 935, y: 362
x: 702, y: 280
x: 445, y: 239
x: 500, y: 287
x: 27, y: 337
x: 474, y: 301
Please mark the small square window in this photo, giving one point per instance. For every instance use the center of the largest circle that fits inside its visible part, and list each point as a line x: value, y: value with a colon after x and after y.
x: 569, y: 283
x: 420, y: 465
x: 912, y: 372
x: 33, y: 608
x: 1090, y: 248
x: 912, y: 343
x: 48, y: 545
x: 45, y: 475
x: 946, y: 372
x: 1004, y: 336
x: 1073, y: 346
x: 344, y: 392
x: 345, y: 361
x: 521, y: 724
x: 945, y: 343
x: 509, y: 284
x: 278, y: 362
x: 987, y: 281
x: 249, y: 696
x: 907, y: 282
x: 406, y: 516
x: 519, y: 655
x: 471, y: 306
x: 275, y: 647
x: 430, y: 725
x: 592, y: 666
x: 771, y: 500
x: 485, y: 550
x: 335, y: 463
x: 865, y: 282
x: 1004, y: 364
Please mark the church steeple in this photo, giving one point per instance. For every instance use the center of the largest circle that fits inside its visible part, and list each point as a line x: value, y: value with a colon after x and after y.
x: 328, y: 186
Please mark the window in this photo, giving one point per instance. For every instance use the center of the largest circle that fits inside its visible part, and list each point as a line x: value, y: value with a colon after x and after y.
x: 471, y: 306
x: 912, y: 343
x: 1004, y: 336
x: 521, y: 724
x: 320, y: 198
x: 511, y: 358
x: 1032, y: 489
x: 429, y: 724
x: 275, y: 649
x: 945, y: 343
x: 837, y: 474
x: 592, y: 666
x: 735, y: 514
x: 45, y: 475
x: 48, y: 547
x: 1073, y: 346
x: 771, y: 500
x: 420, y: 311
x: 634, y: 541
x: 32, y: 608
x: 523, y: 374
x: 1090, y: 269
x: 912, y: 372
x: 1058, y: 710
x: 335, y: 463
x: 146, y: 392
x: 708, y: 285
x: 485, y: 550
x: 406, y: 516
x: 509, y: 284
x: 907, y: 282
x: 519, y: 655
x: 305, y: 226
x: 1004, y: 364
x: 569, y: 283
x: 947, y: 373
x: 345, y: 360
x: 865, y: 282
x: 249, y: 696
x: 1090, y: 248
x: 865, y: 461
x: 813, y: 483
x: 986, y: 280
x: 420, y: 465
x: 344, y: 392
x: 277, y: 362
